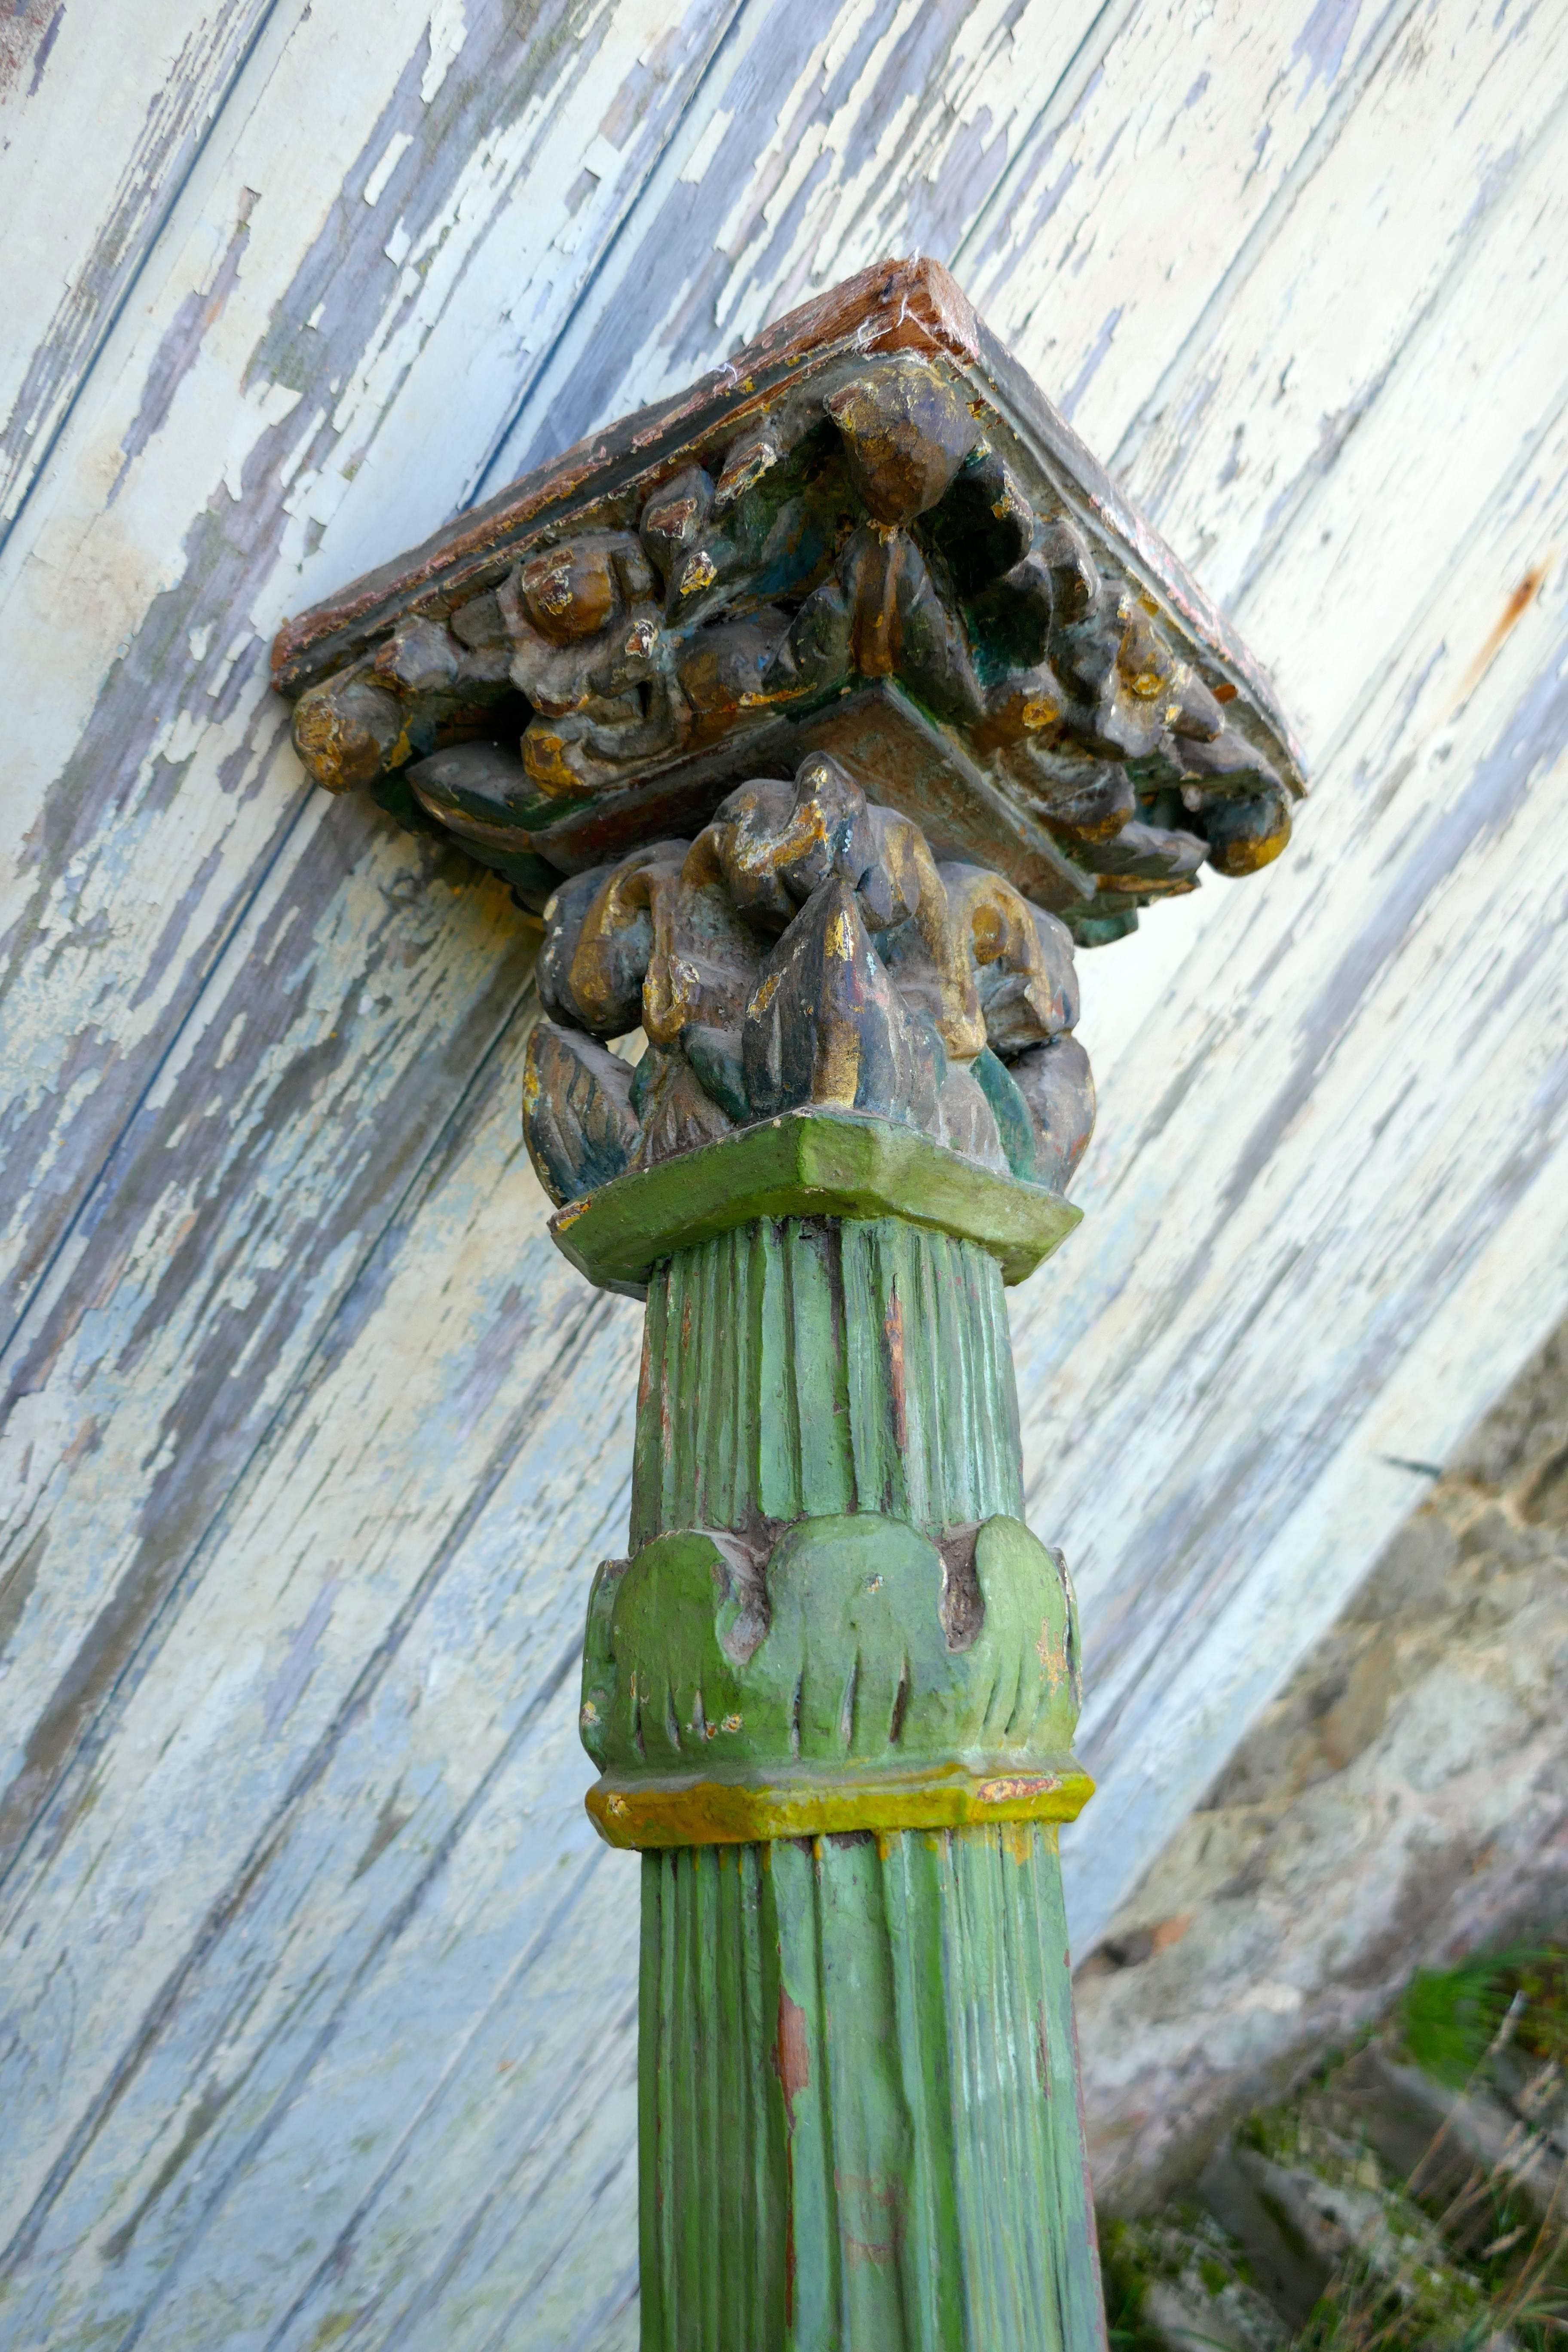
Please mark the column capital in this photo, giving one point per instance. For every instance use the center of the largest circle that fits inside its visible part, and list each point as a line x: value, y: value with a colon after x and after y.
x: 867, y: 535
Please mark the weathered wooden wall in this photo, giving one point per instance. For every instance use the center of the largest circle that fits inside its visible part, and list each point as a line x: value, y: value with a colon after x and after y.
x: 317, y: 1994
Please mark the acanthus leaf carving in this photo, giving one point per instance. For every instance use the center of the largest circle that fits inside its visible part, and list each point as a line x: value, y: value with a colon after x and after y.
x: 806, y: 951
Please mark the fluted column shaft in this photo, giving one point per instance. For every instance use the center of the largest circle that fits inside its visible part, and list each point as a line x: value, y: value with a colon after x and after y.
x: 859, y: 2127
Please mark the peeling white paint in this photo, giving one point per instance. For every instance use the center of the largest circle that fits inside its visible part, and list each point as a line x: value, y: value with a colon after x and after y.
x: 694, y: 170
x: 392, y: 154
x: 448, y: 30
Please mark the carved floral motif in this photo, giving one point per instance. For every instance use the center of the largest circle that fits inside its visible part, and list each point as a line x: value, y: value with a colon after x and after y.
x: 865, y: 532
x: 805, y: 949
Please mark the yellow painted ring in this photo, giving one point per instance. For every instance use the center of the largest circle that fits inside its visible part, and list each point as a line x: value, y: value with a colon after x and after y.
x: 653, y: 1813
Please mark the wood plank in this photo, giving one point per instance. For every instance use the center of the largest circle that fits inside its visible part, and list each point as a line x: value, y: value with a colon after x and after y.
x: 1495, y: 399
x: 440, y: 1734
x: 139, y: 620
x: 185, y: 805
x: 186, y: 1329
x: 1407, y: 1227
x: 83, y: 213
x: 1098, y: 257
x: 783, y: 183
x: 1452, y: 86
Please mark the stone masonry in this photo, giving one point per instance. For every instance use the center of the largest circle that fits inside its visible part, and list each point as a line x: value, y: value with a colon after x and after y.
x: 1404, y: 1800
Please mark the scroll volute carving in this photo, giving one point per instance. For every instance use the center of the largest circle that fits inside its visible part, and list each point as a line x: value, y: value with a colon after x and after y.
x: 1027, y: 984
x: 599, y: 941
x: 865, y: 530
x: 422, y: 679
x: 805, y: 950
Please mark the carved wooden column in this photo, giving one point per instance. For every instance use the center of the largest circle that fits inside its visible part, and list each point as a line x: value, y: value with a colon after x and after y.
x: 832, y: 1690
x: 819, y: 713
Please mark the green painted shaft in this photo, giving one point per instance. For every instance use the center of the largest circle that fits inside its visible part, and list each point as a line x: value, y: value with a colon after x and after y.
x: 805, y: 1367
x: 859, y: 2122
